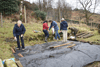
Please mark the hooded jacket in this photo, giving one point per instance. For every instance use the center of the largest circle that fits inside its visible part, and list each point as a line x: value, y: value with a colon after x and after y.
x: 55, y: 26
x: 63, y: 25
x: 18, y: 30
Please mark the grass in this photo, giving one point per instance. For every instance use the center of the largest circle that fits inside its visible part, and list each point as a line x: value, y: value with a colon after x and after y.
x: 7, y: 32
x: 87, y: 29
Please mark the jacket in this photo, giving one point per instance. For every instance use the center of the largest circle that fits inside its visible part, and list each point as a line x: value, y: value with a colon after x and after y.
x: 63, y: 25
x: 55, y: 26
x: 45, y: 26
x: 73, y: 29
x: 18, y: 30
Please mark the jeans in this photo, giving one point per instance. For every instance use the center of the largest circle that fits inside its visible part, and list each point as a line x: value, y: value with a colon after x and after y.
x: 18, y: 42
x: 57, y: 34
x: 46, y: 33
x: 64, y: 35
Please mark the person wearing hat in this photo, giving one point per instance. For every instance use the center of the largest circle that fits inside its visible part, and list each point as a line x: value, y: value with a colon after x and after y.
x: 55, y: 26
x: 45, y: 30
x: 63, y: 27
x: 19, y: 30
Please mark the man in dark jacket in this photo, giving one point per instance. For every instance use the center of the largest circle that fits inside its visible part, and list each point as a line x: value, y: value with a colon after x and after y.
x: 19, y: 30
x: 63, y: 27
x: 55, y: 26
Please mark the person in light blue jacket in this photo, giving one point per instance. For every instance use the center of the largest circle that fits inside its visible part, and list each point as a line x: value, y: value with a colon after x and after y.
x: 55, y: 26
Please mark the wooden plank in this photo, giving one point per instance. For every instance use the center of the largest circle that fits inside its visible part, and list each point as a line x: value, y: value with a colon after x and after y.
x: 1, y: 65
x: 84, y: 41
x: 80, y: 33
x: 71, y: 46
x: 88, y: 35
x: 18, y: 64
x: 20, y: 55
x: 13, y: 50
x: 61, y: 45
x: 83, y: 35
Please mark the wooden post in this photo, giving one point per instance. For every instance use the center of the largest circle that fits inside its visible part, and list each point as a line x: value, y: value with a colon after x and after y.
x: 91, y: 25
x: 1, y: 21
x: 25, y: 13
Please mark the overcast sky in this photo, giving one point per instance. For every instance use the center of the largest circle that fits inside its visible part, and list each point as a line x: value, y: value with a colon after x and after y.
x: 73, y: 4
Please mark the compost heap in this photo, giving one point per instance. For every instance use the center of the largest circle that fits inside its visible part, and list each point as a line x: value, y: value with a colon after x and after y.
x: 40, y: 55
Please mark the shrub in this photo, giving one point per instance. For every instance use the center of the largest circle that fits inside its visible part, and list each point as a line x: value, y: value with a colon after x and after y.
x: 39, y: 14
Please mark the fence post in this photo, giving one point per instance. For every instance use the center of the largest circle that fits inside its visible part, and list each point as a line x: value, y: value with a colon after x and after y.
x: 1, y: 21
x: 25, y: 13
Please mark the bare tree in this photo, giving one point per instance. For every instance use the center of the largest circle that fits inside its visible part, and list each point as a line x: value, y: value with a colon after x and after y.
x: 65, y: 9
x: 59, y: 11
x: 49, y: 9
x: 45, y: 5
x: 40, y: 5
x: 89, y: 7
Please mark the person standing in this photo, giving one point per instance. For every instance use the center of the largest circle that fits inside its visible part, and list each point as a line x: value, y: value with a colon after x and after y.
x: 45, y: 30
x: 19, y: 30
x: 63, y: 27
x: 55, y: 26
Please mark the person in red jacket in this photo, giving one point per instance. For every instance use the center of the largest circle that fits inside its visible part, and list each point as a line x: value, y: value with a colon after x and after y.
x: 45, y: 30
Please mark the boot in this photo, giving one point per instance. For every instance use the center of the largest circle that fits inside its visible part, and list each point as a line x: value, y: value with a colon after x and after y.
x: 45, y: 39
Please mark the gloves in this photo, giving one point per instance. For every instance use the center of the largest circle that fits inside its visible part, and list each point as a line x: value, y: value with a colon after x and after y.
x: 15, y: 38
x: 21, y: 35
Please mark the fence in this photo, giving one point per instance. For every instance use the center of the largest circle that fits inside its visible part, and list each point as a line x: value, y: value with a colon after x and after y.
x: 77, y: 22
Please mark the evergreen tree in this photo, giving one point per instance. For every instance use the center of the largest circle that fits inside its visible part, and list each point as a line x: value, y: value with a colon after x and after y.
x: 8, y: 7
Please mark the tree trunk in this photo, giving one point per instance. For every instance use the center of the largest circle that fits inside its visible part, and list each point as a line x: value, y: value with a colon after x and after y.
x: 47, y: 11
x: 21, y: 10
x: 53, y: 14
x: 59, y: 15
x: 86, y: 16
x: 39, y: 5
